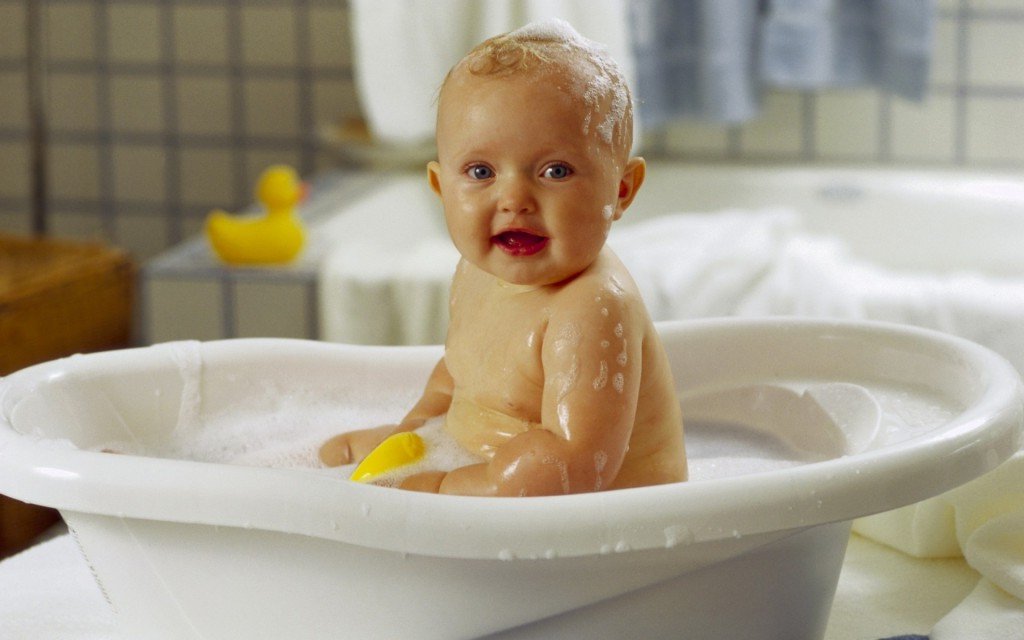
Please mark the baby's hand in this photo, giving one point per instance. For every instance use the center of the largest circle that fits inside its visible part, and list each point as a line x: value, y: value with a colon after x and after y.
x: 353, y: 446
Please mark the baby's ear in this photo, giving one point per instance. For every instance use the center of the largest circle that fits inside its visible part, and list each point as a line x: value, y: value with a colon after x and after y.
x: 434, y: 176
x: 629, y: 184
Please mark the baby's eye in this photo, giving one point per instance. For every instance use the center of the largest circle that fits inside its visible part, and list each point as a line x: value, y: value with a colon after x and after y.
x: 557, y: 172
x: 480, y: 172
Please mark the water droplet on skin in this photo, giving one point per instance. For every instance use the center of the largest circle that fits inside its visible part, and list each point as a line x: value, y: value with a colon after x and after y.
x: 618, y: 330
x: 602, y: 377
x: 605, y: 344
x: 604, y: 311
x: 618, y: 382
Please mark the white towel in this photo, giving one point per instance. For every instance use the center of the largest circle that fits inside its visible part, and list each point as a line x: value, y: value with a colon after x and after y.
x: 48, y: 592
x: 982, y: 521
x: 404, y: 48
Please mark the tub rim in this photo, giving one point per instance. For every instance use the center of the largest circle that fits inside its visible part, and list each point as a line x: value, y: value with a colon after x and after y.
x: 296, y: 501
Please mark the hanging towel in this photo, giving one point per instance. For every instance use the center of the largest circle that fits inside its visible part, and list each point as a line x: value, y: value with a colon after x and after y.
x: 404, y: 48
x: 712, y: 59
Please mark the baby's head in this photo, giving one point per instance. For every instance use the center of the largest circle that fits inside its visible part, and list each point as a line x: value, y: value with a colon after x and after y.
x: 534, y: 130
x: 553, y: 52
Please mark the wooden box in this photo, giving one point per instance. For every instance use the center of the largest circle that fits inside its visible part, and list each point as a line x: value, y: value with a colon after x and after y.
x: 56, y: 298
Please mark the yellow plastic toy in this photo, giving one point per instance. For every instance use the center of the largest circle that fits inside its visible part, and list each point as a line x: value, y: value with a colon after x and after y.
x: 274, y: 238
x: 396, y: 451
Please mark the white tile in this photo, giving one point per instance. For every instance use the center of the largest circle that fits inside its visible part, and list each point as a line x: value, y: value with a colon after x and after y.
x: 994, y: 131
x: 924, y: 131
x: 268, y: 36
x: 200, y: 34
x: 996, y: 5
x: 139, y: 173
x: 70, y: 31
x: 778, y: 130
x: 73, y: 171
x: 134, y: 32
x: 329, y: 35
x: 136, y: 104
x: 267, y: 309
x: 179, y: 309
x: 14, y: 99
x: 15, y: 178
x: 143, y: 236
x: 204, y: 105
x: 16, y: 222
x: 12, y: 30
x: 701, y: 138
x: 996, y: 53
x: 334, y: 101
x: 76, y: 225
x: 846, y: 125
x: 272, y: 107
x: 71, y: 103
x: 207, y: 177
x: 945, y: 51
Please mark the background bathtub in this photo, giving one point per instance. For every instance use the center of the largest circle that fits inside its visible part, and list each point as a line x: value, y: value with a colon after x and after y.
x: 935, y: 221
x: 191, y: 549
x: 854, y: 243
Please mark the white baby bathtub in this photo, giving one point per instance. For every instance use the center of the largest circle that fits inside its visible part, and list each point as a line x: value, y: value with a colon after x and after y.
x: 750, y: 548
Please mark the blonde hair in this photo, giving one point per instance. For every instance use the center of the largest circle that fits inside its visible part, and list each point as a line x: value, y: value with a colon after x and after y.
x: 553, y: 46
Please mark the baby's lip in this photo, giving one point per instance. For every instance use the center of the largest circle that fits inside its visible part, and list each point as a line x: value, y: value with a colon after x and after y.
x: 519, y: 242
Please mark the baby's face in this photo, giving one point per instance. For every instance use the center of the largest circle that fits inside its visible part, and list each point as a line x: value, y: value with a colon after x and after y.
x: 529, y: 188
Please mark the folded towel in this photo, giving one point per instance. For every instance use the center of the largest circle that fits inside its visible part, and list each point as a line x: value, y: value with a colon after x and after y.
x: 984, y: 522
x: 49, y: 592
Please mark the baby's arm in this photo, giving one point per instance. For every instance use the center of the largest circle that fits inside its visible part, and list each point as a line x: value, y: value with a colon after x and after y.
x: 353, y: 446
x: 591, y: 360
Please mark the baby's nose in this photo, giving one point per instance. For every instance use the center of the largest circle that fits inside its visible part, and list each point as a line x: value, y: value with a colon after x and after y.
x: 516, y: 195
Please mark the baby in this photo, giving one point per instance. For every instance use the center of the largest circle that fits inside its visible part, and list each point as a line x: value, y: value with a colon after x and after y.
x: 553, y: 372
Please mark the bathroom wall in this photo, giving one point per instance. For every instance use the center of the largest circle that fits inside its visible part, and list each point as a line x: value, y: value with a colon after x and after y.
x: 157, y: 112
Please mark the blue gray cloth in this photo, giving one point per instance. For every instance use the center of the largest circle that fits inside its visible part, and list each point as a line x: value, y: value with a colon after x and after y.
x: 711, y: 59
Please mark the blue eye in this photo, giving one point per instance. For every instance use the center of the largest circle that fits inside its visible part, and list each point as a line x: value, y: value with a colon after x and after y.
x: 557, y: 172
x: 480, y: 172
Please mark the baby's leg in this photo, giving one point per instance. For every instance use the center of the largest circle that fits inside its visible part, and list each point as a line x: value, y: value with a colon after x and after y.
x: 353, y: 446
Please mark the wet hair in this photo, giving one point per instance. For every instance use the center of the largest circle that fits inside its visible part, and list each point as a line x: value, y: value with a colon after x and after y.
x: 553, y: 46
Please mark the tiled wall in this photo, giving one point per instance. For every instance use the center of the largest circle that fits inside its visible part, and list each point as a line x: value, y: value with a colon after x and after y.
x: 159, y: 111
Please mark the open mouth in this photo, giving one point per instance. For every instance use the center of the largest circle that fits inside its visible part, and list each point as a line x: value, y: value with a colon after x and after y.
x: 517, y: 242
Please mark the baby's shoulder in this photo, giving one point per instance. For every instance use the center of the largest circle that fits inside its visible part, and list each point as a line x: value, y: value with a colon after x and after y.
x: 599, y: 297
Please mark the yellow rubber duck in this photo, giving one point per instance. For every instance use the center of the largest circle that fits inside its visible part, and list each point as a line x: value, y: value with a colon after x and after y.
x: 274, y: 238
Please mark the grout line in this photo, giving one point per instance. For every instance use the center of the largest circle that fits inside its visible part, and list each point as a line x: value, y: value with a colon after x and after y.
x: 808, y: 118
x: 960, y: 124
x: 237, y: 99
x: 170, y: 138
x: 104, y: 112
x: 304, y: 75
x: 885, y: 128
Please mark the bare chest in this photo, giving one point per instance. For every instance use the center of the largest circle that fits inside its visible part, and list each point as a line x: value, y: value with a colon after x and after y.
x: 493, y: 352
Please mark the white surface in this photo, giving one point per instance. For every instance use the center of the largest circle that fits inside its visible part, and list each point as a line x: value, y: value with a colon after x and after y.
x: 403, y: 50
x: 237, y: 529
x: 929, y: 248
